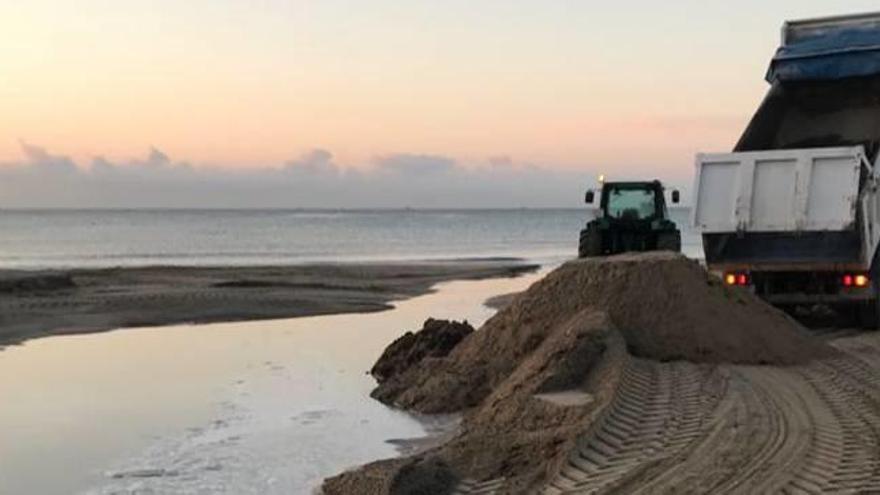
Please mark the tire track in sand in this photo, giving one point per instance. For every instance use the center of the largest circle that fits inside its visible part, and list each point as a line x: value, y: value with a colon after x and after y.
x: 471, y: 487
x: 810, y: 429
x: 846, y: 436
x: 680, y: 427
x: 659, y: 410
x: 745, y: 442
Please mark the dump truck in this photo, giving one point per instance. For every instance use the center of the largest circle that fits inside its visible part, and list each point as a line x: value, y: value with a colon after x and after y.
x: 793, y: 213
x: 630, y: 216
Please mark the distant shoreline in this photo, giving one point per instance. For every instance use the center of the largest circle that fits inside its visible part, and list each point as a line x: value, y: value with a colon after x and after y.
x: 38, y: 303
x: 397, y: 209
x: 13, y: 272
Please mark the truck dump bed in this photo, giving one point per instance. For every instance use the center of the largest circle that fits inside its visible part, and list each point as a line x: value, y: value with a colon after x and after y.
x: 799, y: 192
x: 778, y: 191
x: 830, y: 48
x: 825, y: 91
x: 791, y: 209
x: 815, y: 114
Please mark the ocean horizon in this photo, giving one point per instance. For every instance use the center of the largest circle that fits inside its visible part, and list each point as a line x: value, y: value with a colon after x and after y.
x: 100, y: 238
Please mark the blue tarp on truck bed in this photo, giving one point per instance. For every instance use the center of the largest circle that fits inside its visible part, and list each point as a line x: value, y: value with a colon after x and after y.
x: 832, y: 54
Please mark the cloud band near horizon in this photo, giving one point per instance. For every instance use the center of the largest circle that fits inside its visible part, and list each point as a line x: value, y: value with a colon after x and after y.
x: 42, y: 179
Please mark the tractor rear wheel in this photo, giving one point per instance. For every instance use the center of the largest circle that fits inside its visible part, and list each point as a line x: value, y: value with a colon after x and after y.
x: 590, y: 243
x: 669, y: 241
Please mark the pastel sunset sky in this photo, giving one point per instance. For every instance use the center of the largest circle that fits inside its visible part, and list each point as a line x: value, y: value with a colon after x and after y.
x: 627, y: 88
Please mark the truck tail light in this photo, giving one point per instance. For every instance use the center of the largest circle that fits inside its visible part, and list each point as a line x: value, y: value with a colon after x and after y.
x: 859, y: 280
x: 734, y: 278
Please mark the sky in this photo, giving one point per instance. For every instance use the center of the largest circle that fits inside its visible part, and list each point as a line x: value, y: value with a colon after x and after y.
x: 372, y: 103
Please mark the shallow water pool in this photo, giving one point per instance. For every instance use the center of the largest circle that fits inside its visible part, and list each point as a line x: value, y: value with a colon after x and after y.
x: 249, y: 407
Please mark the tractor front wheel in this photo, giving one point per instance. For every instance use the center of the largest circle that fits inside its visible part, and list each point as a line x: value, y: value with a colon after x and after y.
x: 669, y: 241
x: 590, y: 243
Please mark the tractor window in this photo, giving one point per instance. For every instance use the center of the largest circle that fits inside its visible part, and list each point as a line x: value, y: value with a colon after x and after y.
x: 631, y: 204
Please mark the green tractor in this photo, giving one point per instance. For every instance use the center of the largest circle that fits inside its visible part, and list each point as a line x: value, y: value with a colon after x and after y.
x: 631, y: 216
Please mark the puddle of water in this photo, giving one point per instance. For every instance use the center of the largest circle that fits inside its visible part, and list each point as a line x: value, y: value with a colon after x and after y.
x: 250, y: 407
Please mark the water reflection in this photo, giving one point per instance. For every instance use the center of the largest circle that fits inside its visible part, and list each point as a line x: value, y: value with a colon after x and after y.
x: 254, y: 407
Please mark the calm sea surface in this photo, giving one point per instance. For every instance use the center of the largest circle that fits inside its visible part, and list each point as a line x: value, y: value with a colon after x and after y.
x: 33, y: 239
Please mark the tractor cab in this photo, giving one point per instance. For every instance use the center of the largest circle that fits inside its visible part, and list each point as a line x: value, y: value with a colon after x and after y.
x: 631, y: 216
x: 632, y: 201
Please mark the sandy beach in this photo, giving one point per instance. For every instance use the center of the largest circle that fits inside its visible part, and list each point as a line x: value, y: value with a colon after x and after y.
x: 636, y: 373
x: 40, y: 303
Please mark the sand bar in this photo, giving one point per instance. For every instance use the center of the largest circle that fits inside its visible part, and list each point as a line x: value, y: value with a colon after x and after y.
x: 40, y: 303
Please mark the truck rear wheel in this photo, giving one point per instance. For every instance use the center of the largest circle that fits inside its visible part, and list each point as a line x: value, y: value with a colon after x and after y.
x: 868, y: 314
x: 590, y: 243
x: 669, y: 241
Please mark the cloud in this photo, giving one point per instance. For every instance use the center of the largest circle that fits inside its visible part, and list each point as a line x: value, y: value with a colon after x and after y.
x: 315, y: 162
x: 500, y: 161
x: 38, y: 158
x: 311, y: 180
x: 157, y: 158
x: 155, y: 164
x: 101, y: 165
x: 415, y: 165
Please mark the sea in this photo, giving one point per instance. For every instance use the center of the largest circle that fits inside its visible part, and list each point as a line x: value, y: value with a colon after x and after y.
x: 55, y: 239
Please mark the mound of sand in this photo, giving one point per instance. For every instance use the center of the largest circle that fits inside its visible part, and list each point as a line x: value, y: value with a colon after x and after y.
x: 666, y: 307
x: 525, y: 427
x: 541, y: 371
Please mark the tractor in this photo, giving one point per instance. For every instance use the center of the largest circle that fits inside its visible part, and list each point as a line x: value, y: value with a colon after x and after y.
x: 631, y: 216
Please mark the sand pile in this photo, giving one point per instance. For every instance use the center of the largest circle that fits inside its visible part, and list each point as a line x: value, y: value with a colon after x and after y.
x: 540, y: 371
x: 524, y: 428
x: 665, y: 306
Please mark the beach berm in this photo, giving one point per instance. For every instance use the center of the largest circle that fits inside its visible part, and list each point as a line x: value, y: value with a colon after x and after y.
x: 547, y: 368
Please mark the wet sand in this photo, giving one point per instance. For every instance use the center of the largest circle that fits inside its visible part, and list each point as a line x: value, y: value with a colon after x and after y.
x: 41, y: 303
